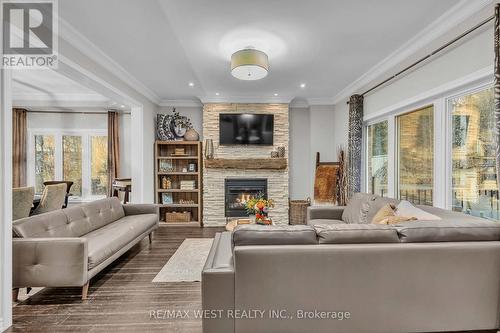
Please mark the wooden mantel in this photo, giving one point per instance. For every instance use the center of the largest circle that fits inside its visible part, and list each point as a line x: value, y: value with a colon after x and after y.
x: 246, y: 163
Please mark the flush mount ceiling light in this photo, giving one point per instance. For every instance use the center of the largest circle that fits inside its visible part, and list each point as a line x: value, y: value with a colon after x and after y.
x: 249, y: 64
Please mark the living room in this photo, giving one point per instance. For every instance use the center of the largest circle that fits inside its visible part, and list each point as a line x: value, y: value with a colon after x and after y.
x: 328, y: 166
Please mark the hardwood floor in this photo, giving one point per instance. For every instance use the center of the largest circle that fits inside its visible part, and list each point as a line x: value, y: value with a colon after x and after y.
x: 121, y: 297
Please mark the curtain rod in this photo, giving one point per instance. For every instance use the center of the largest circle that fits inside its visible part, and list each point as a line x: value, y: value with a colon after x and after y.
x: 430, y: 54
x: 76, y: 112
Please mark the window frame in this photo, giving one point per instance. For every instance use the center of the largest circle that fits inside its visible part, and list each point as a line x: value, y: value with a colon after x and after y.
x: 440, y: 99
x: 58, y: 134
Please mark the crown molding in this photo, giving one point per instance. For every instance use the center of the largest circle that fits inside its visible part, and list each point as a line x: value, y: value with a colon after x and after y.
x: 321, y: 101
x: 299, y: 103
x: 450, y: 19
x: 180, y: 103
x: 41, y: 100
x: 89, y: 49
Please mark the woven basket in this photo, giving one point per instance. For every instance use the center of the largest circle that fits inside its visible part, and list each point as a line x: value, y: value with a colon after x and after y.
x: 175, y: 217
x: 298, y: 211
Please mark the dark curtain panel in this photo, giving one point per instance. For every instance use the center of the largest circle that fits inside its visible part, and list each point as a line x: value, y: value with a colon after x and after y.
x: 113, y: 149
x: 19, y: 132
x: 497, y: 90
x: 355, y: 144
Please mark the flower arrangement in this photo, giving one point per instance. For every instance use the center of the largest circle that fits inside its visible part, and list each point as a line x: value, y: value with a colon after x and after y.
x: 259, y: 206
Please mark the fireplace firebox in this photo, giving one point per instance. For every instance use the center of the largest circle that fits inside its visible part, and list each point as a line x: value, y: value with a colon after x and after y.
x: 238, y: 191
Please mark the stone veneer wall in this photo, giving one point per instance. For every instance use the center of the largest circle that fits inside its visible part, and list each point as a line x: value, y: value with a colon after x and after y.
x: 213, y: 179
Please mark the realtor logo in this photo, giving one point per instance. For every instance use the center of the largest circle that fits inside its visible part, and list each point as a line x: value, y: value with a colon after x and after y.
x: 29, y: 34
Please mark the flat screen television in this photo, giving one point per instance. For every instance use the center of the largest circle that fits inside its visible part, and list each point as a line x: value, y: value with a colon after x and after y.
x: 246, y: 129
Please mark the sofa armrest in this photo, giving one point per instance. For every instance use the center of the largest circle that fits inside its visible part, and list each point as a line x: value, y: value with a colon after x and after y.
x: 137, y: 209
x: 325, y: 212
x: 217, y: 285
x: 49, y: 262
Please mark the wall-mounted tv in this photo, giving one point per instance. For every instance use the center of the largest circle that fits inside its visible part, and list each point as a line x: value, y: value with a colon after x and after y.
x: 246, y: 129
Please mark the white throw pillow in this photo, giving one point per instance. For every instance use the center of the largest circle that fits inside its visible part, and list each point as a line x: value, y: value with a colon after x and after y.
x: 405, y: 208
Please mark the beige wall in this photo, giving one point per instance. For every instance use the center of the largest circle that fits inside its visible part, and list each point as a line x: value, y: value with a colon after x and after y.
x: 213, y: 179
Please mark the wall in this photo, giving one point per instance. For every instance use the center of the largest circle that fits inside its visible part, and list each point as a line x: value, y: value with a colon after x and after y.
x: 213, y: 179
x: 299, y: 157
x: 328, y: 132
x: 472, y: 55
x: 71, y: 121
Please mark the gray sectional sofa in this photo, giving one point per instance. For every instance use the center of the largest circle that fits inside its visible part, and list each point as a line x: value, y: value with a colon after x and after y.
x: 68, y: 247
x: 340, y: 275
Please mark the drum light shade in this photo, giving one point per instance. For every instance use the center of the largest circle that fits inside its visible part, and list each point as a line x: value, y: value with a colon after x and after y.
x: 249, y: 64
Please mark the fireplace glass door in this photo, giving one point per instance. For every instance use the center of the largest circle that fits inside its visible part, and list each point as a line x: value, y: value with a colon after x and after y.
x: 239, y: 191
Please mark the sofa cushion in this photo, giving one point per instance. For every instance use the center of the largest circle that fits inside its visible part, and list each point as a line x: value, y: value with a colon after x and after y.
x: 51, y: 224
x: 254, y: 234
x: 405, y: 208
x: 448, y: 231
x: 315, y: 222
x: 356, y: 233
x: 377, y: 204
x: 357, y: 208
x: 102, y: 212
x: 106, y: 241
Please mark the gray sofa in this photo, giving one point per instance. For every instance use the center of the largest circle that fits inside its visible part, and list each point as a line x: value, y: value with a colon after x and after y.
x: 68, y: 247
x: 333, y: 276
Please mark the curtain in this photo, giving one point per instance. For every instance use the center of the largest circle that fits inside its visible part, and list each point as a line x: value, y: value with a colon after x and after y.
x: 355, y: 144
x: 497, y: 91
x: 113, y: 150
x: 19, y: 132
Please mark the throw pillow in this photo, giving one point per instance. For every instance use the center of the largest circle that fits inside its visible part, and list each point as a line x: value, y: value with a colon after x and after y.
x: 405, y: 208
x: 384, y: 212
x: 397, y: 219
x: 357, y: 208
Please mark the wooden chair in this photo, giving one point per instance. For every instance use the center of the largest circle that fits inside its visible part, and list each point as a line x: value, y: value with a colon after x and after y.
x: 68, y: 188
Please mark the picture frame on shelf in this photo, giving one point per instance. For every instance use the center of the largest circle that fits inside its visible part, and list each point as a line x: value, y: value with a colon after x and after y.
x: 167, y: 199
x: 166, y: 165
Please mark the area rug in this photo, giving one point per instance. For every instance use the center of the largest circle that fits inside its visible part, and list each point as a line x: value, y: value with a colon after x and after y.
x: 187, y: 262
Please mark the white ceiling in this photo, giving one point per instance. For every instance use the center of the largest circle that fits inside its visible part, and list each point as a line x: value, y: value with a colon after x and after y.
x: 327, y: 44
x: 47, y: 89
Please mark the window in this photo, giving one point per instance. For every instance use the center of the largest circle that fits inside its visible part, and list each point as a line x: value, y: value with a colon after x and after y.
x: 377, y: 158
x: 474, y: 181
x: 416, y: 155
x: 99, y: 166
x: 72, y: 162
x: 44, y: 160
x: 79, y: 156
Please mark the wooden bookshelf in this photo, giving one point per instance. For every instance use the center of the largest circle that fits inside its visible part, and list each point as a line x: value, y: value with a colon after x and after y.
x: 175, y: 168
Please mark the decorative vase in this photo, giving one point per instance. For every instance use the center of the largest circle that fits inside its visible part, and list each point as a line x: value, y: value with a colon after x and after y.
x: 179, y: 132
x: 209, y: 149
x: 281, y: 151
x: 164, y: 127
x: 191, y: 135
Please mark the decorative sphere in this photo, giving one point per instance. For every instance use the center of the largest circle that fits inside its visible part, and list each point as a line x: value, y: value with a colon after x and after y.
x: 191, y: 135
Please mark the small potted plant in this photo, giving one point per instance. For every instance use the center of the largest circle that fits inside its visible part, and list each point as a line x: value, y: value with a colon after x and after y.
x: 259, y: 206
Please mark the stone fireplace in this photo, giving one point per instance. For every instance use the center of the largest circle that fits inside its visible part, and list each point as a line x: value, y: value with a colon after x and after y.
x: 237, y: 162
x: 238, y: 191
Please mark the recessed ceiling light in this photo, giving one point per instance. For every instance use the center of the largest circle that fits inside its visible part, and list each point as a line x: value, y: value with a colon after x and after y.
x: 191, y: 84
x: 275, y: 94
x: 217, y: 94
x: 302, y: 85
x: 122, y: 106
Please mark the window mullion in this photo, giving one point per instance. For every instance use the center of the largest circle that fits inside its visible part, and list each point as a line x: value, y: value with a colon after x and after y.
x: 391, y: 157
x: 86, y: 160
x: 59, y: 156
x: 440, y: 189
